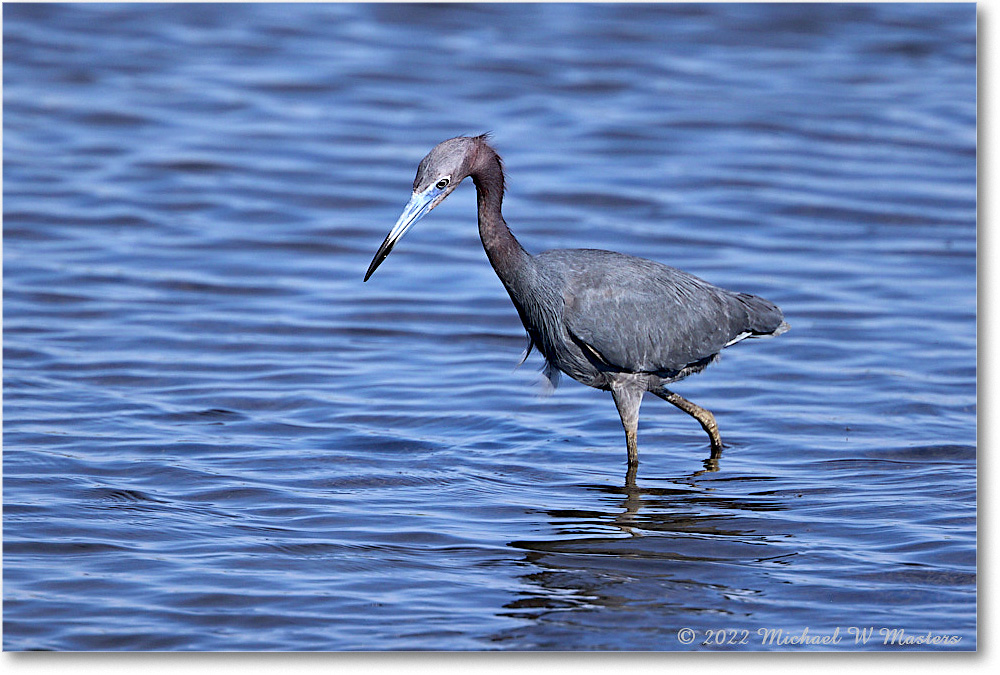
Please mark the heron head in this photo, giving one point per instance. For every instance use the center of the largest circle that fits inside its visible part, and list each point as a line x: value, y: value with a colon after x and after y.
x: 438, y: 174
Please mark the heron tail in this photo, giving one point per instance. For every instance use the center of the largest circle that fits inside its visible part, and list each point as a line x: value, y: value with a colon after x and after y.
x: 764, y: 316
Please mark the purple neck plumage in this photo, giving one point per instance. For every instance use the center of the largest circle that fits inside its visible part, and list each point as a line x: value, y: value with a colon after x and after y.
x: 503, y: 250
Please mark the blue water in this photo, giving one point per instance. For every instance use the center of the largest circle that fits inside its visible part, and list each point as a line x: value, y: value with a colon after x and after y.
x: 216, y: 437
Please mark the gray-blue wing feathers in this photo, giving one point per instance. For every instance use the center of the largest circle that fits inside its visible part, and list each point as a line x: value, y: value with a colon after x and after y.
x: 638, y: 315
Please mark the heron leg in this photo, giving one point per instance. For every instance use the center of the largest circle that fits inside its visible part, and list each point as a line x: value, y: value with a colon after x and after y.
x: 627, y: 399
x: 704, y: 417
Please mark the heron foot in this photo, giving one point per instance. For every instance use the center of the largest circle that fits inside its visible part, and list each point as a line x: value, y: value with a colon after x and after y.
x: 705, y: 418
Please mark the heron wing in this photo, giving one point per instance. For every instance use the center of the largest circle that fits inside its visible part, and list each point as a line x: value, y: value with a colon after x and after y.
x: 637, y: 315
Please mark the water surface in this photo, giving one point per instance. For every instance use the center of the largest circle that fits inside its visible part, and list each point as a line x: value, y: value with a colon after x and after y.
x: 216, y: 437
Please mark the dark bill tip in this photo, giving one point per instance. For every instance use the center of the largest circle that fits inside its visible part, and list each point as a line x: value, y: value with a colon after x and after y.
x: 383, y: 252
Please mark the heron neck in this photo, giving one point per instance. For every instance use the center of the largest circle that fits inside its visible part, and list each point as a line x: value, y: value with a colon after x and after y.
x: 502, y: 248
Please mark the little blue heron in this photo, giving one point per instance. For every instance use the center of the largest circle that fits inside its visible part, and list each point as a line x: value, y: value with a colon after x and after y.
x: 611, y: 321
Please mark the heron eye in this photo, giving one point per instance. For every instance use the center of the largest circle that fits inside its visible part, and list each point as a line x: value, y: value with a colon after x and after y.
x: 442, y: 184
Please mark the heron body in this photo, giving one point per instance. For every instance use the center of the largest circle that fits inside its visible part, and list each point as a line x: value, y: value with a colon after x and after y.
x: 611, y: 321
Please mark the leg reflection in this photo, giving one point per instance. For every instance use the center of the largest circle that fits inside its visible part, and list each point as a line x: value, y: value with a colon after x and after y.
x: 711, y: 464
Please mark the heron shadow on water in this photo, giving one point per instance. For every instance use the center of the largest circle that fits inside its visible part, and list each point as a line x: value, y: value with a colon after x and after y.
x: 611, y: 321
